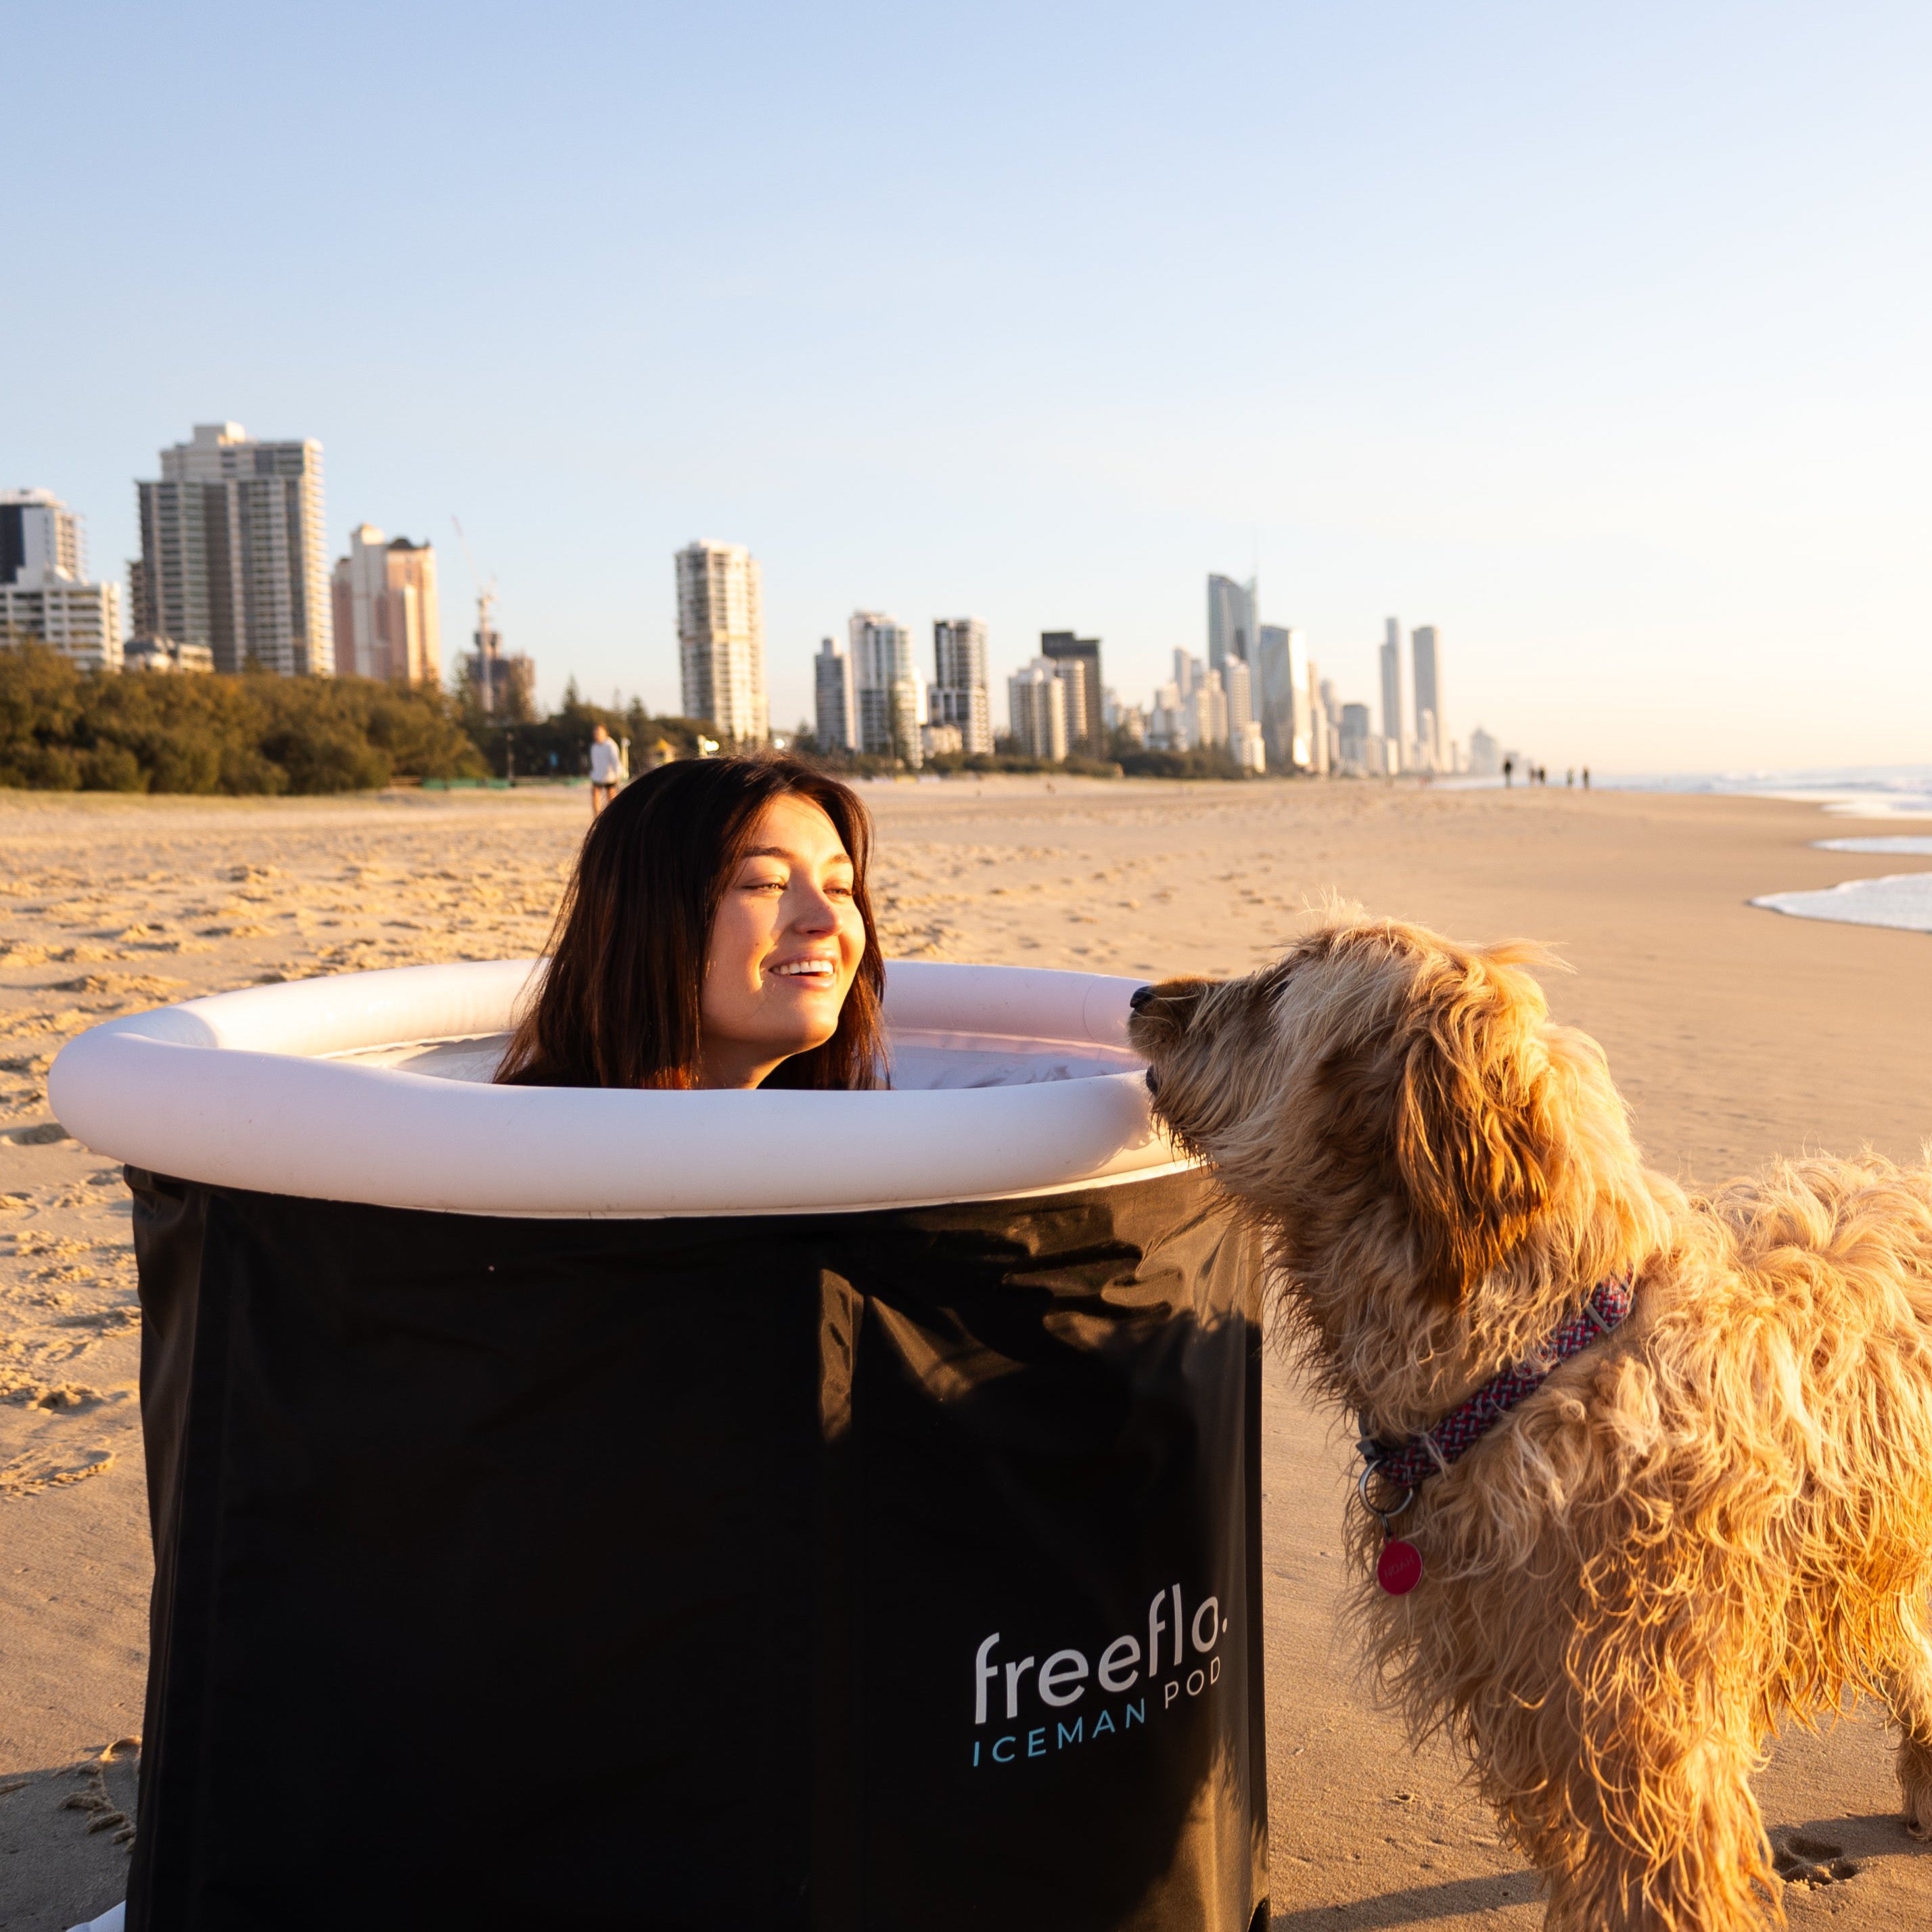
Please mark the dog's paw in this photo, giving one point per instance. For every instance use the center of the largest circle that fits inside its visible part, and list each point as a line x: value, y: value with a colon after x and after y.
x: 1800, y: 1859
x: 1915, y: 1786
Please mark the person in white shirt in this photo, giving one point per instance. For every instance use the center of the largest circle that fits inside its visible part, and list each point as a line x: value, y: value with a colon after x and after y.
x: 607, y: 767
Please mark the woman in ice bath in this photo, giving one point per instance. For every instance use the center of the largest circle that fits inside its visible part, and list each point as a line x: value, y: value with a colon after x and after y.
x: 717, y: 933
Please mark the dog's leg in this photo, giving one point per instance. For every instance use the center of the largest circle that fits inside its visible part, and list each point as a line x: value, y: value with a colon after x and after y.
x: 1678, y: 1843
x: 1911, y: 1701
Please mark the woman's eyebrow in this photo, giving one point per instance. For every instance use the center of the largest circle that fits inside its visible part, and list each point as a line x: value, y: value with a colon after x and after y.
x: 791, y: 858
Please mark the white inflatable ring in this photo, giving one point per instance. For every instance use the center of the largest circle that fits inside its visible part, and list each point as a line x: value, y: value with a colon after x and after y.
x: 372, y: 1087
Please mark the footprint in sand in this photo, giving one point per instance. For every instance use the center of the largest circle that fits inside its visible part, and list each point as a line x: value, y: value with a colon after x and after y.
x: 115, y: 983
x: 41, y: 1469
x: 103, y: 1320
x: 1800, y: 1859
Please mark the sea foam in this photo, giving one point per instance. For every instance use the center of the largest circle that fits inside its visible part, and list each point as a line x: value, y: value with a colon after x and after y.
x: 1901, y: 843
x: 1903, y: 899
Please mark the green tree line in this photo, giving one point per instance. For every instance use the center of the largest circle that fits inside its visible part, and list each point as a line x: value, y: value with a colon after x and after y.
x: 65, y: 730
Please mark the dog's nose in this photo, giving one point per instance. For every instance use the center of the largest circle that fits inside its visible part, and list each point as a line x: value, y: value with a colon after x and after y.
x: 1152, y: 1083
x: 1139, y: 997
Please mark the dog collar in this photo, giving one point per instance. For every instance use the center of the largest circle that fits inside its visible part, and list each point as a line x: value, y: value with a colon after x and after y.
x: 1406, y: 1465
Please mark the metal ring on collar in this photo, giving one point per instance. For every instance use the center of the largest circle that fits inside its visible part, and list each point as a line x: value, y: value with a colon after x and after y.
x: 1384, y: 1517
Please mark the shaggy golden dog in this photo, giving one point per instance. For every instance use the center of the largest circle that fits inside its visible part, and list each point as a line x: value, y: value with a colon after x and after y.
x: 1716, y: 1515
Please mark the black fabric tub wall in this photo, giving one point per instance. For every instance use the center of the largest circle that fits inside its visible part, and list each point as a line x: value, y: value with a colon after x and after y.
x: 894, y: 1570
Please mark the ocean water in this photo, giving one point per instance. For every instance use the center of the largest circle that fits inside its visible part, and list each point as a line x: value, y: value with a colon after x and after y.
x: 1852, y: 791
x: 1903, y: 899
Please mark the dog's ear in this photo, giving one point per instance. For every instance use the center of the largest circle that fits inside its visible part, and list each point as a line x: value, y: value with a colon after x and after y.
x: 1473, y: 1139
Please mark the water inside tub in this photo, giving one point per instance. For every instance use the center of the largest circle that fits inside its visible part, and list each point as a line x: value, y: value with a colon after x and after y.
x: 922, y: 1062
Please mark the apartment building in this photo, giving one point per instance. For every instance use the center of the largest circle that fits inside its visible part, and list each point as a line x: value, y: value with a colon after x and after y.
x: 44, y: 593
x: 1036, y: 710
x: 721, y: 640
x: 233, y: 553
x: 386, y: 621
x: 958, y: 697
x: 886, y: 687
x: 836, y: 715
x: 1077, y: 661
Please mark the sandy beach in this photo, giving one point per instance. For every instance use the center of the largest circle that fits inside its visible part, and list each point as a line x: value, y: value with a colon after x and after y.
x: 1737, y: 1034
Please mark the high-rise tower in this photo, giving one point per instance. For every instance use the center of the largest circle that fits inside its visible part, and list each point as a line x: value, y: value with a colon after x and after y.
x: 1392, y: 708
x: 835, y: 723
x: 1425, y: 651
x: 38, y: 531
x: 1078, y: 660
x: 44, y: 592
x: 1234, y: 627
x: 387, y: 623
x: 887, y: 687
x: 1287, y: 719
x: 233, y: 555
x: 958, y: 693
x: 1036, y: 710
x: 721, y: 640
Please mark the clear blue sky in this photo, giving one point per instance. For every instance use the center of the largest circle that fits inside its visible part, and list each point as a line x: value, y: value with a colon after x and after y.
x: 1597, y: 336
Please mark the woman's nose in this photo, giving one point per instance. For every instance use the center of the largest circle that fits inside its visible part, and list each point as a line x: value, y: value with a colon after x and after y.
x: 814, y: 912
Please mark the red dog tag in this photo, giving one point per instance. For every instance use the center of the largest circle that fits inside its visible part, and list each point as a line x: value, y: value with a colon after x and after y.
x: 1399, y: 1568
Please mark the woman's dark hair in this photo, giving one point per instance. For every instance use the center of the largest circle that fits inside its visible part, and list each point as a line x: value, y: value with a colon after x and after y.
x: 618, y: 1006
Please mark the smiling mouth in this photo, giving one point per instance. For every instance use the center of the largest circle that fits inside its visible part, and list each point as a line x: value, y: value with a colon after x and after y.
x: 823, y: 970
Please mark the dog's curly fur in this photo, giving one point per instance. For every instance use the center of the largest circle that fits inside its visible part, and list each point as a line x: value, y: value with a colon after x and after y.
x: 1718, y: 1519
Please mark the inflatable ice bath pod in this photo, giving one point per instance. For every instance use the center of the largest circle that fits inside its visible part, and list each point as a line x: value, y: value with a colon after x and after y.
x: 824, y: 1510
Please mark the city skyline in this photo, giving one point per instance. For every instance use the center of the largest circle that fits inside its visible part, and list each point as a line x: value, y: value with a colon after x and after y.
x: 370, y: 598
x: 1254, y: 693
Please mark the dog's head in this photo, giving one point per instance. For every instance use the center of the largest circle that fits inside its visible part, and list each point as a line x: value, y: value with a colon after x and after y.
x: 1400, y: 1108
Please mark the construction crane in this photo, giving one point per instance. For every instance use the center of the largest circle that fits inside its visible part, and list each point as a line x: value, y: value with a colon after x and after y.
x: 488, y: 641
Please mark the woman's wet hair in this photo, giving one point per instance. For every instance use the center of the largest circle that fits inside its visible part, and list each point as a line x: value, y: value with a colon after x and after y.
x: 619, y: 1003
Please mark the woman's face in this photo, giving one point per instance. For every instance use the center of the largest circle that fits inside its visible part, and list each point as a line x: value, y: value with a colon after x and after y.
x: 784, y: 945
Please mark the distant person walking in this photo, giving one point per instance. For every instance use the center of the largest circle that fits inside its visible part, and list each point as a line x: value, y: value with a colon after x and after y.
x: 1586, y: 777
x: 607, y: 767
x: 1509, y: 773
